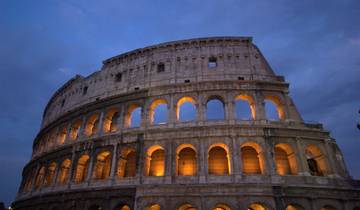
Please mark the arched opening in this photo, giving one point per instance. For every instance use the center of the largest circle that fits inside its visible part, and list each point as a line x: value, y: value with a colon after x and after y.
x: 215, y: 109
x: 327, y: 207
x: 74, y: 132
x: 186, y: 109
x: 50, y: 174
x: 62, y: 135
x: 221, y: 207
x: 95, y: 207
x: 51, y: 141
x: 111, y: 119
x: 245, y: 107
x: 103, y: 165
x: 218, y: 161
x: 133, y: 116
x: 186, y: 207
x: 158, y: 112
x: 127, y: 163
x: 153, y: 207
x: 294, y: 207
x: 157, y: 163
x: 82, y: 168
x: 356, y: 208
x: 285, y: 160
x: 123, y: 207
x: 316, y: 161
x: 250, y: 160
x: 40, y: 177
x: 64, y: 172
x: 92, y: 125
x: 274, y: 108
x: 186, y: 161
x: 257, y: 206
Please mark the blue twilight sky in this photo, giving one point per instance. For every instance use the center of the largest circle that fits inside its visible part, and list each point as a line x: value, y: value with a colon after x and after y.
x: 314, y: 44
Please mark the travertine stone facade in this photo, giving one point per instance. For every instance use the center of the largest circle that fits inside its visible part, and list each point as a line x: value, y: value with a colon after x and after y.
x: 91, y: 153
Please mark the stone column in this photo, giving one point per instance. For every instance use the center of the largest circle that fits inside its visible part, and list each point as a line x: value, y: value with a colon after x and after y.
x: 202, y: 162
x: 68, y: 131
x: 201, y: 111
x: 171, y: 111
x: 302, y: 162
x: 237, y: 163
x: 329, y: 158
x: 72, y: 168
x: 101, y: 123
x: 114, y: 161
x: 33, y: 180
x: 259, y: 107
x: 82, y: 128
x: 91, y: 165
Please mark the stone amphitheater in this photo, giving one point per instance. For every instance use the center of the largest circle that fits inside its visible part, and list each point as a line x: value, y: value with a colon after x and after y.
x: 103, y: 144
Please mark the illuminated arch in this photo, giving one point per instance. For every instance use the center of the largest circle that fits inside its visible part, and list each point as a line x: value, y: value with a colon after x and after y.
x: 285, y: 160
x: 111, y: 119
x: 155, y: 161
x: 186, y: 160
x: 186, y: 207
x: 61, y: 137
x: 50, y: 174
x: 122, y: 207
x: 294, y: 207
x: 221, y: 207
x: 219, y: 159
x: 64, y: 171
x: 82, y: 168
x: 92, y: 125
x: 279, y: 106
x: 153, y: 207
x: 251, y: 103
x: 328, y: 207
x: 215, y: 106
x: 252, y: 158
x: 126, y: 166
x: 40, y: 177
x: 258, y: 206
x: 133, y: 113
x: 74, y: 132
x: 180, y: 103
x: 154, y: 113
x: 316, y: 161
x: 102, y: 165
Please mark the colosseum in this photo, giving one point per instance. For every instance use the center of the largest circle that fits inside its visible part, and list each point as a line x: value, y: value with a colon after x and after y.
x: 183, y: 125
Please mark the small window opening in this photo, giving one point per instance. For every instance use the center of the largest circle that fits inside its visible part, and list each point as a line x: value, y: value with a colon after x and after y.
x: 63, y: 103
x: 240, y: 78
x: 212, y: 63
x: 118, y: 77
x: 136, y: 88
x: 160, y: 67
x: 85, y: 90
x: 187, y: 81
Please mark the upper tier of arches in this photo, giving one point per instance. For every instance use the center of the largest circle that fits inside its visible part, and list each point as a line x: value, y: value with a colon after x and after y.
x: 166, y: 110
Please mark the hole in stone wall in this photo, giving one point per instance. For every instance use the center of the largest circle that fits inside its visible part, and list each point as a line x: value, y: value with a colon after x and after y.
x: 160, y: 68
x: 212, y: 63
x: 85, y: 90
x: 118, y: 77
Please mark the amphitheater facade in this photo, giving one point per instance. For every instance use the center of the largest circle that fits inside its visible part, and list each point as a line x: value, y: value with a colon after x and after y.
x: 101, y: 145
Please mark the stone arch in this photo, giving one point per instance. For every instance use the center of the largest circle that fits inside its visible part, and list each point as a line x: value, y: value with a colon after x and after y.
x: 328, y: 207
x: 102, y: 165
x: 180, y: 103
x: 221, y: 206
x: 155, y: 161
x: 294, y: 207
x: 252, y: 158
x: 249, y: 99
x: 215, y: 105
x: 133, y: 112
x: 82, y: 168
x: 95, y: 207
x: 50, y: 174
x: 64, y: 171
x: 258, y: 206
x: 316, y: 161
x: 154, y: 206
x: 74, y: 131
x: 219, y: 159
x: 92, y: 125
x: 278, y: 104
x: 111, y: 119
x: 186, y: 160
x: 61, y: 136
x: 186, y: 206
x: 40, y: 177
x: 126, y: 166
x: 122, y: 206
x: 153, y: 113
x: 285, y: 159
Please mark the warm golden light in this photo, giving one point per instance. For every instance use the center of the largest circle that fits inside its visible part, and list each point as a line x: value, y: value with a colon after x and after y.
x: 182, y: 101
x: 251, y: 102
x: 186, y: 162
x: 103, y: 165
x: 279, y: 106
x: 111, y: 118
x: 81, y: 169
x: 152, y: 108
x: 218, y: 163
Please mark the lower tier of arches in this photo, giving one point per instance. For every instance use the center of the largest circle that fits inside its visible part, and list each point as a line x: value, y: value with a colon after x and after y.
x: 200, y: 197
